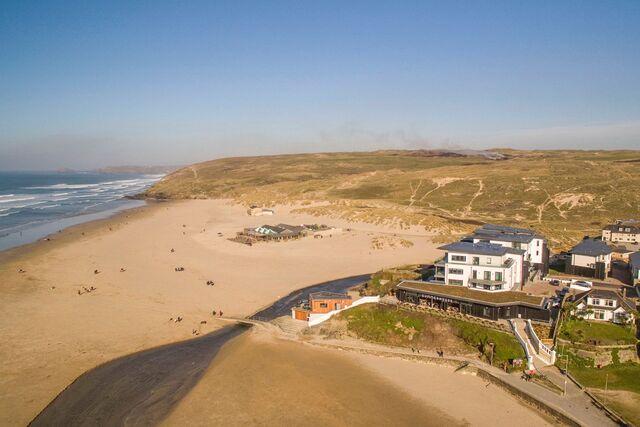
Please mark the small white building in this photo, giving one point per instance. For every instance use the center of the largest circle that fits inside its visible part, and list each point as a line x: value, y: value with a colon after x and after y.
x: 482, y: 266
x: 623, y: 231
x: 605, y: 305
x: 590, y: 258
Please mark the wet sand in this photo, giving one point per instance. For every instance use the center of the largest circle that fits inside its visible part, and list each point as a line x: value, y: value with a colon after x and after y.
x: 259, y: 380
x: 140, y: 389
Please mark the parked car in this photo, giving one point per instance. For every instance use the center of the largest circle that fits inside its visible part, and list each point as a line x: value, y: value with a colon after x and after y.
x: 555, y: 282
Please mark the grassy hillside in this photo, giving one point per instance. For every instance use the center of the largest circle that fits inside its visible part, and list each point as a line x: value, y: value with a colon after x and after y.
x: 564, y: 194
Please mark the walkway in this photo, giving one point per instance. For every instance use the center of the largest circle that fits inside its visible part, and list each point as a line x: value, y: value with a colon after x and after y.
x: 576, y: 404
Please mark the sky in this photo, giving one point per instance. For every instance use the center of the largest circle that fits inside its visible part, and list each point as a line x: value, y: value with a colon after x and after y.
x: 85, y: 84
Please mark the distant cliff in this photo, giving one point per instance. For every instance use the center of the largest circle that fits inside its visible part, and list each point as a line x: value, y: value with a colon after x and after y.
x: 137, y: 169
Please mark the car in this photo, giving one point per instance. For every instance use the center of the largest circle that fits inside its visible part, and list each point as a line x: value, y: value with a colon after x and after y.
x: 555, y: 282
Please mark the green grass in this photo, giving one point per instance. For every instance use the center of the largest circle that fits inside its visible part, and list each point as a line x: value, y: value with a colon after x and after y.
x: 379, y: 324
x: 390, y: 277
x: 506, y: 346
x: 621, y: 376
x: 601, y: 333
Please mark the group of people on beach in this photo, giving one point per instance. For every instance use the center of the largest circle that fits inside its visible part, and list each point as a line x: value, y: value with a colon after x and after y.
x: 179, y: 269
x: 86, y: 290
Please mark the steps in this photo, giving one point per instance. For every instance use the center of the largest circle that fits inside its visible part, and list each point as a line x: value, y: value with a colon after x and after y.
x: 289, y: 325
x: 538, y: 355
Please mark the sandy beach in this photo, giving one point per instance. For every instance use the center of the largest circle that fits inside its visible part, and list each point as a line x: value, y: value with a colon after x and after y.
x: 51, y: 334
x: 261, y: 380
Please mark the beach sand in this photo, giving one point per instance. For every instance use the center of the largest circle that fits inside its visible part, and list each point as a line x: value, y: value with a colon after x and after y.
x: 260, y: 380
x: 51, y: 335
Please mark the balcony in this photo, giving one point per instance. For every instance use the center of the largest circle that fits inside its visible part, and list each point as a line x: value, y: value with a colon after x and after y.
x: 487, y: 285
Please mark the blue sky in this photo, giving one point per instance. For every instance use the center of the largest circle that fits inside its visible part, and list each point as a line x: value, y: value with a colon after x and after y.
x: 84, y: 84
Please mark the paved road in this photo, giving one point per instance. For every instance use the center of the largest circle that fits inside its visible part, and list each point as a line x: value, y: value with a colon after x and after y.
x: 139, y: 389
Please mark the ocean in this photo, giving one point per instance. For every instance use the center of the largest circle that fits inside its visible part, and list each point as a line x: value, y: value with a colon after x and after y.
x: 36, y: 204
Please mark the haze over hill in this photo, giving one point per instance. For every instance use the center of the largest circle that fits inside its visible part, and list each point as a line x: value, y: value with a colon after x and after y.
x: 563, y: 194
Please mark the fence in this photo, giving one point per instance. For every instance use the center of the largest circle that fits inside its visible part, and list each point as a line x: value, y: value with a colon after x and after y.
x: 316, y: 319
x: 524, y: 345
x: 539, y: 345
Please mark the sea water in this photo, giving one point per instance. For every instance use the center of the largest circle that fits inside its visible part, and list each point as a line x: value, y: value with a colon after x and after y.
x: 36, y: 204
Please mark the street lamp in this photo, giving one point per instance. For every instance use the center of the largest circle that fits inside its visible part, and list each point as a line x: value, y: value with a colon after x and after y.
x: 566, y: 373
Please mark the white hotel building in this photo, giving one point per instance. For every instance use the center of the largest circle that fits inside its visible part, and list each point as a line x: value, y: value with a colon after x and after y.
x: 534, y: 245
x: 493, y: 258
x: 483, y: 266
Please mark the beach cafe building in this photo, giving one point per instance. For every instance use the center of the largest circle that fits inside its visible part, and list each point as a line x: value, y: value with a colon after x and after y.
x: 492, y: 306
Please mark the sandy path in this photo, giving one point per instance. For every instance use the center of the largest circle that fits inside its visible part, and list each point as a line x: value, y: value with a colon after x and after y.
x: 51, y: 334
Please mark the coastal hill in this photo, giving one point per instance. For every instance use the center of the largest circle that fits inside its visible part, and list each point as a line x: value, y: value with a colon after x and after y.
x: 137, y: 169
x: 563, y: 194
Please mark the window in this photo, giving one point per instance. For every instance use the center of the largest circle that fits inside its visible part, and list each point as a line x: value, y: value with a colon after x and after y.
x: 498, y: 287
x: 486, y: 311
x: 456, y: 271
x: 486, y: 287
x: 537, y: 242
x: 598, y: 314
x: 608, y: 302
x: 323, y: 305
x: 455, y: 282
x: 487, y: 275
x: 499, y: 276
x: 537, y: 253
x: 476, y: 260
x: 489, y: 260
x: 474, y: 274
x: 595, y: 301
x: 458, y: 258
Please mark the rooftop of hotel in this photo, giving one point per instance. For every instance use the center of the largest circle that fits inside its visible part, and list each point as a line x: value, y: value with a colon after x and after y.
x: 505, y: 233
x: 462, y: 292
x: 480, y: 248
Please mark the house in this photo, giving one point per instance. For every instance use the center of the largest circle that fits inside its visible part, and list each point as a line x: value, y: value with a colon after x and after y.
x: 607, y: 305
x: 620, y: 253
x: 487, y: 305
x: 482, y: 266
x: 320, y: 303
x: 622, y: 231
x: 276, y: 232
x: 634, y: 266
x: 536, y: 251
x: 590, y: 258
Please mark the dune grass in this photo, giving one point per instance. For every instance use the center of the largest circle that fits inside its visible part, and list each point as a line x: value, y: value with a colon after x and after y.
x: 562, y: 194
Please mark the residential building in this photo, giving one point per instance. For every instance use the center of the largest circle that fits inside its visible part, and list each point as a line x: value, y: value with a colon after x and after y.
x: 590, y: 258
x: 622, y: 231
x: 604, y: 304
x: 534, y: 245
x: 320, y: 303
x: 487, y: 305
x: 634, y: 266
x: 324, y: 302
x: 482, y: 266
x: 620, y: 253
